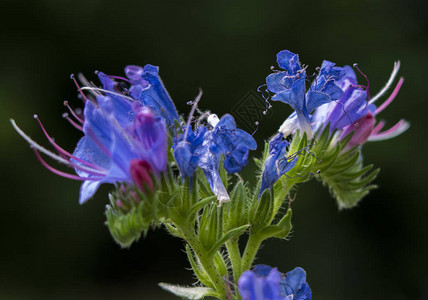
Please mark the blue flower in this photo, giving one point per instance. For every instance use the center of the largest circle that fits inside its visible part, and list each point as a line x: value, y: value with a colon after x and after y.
x: 267, y: 283
x: 203, y: 148
x: 115, y: 150
x: 355, y: 112
x: 233, y: 142
x: 334, y: 98
x: 277, y: 164
x: 187, y: 152
x: 289, y: 87
x: 145, y: 87
x: 124, y: 126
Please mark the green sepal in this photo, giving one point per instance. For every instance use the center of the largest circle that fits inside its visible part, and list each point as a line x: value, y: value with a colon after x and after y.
x: 261, y: 210
x: 199, y: 205
x: 223, y: 173
x: 348, y: 180
x: 173, y: 230
x: 139, y: 209
x: 208, y: 231
x: 279, y: 230
x: 231, y: 234
x: 324, y: 158
x: 191, y: 293
x: 220, y: 264
x: 197, y: 269
x: 235, y: 212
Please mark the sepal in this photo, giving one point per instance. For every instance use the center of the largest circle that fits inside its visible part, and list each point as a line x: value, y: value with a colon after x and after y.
x: 208, y: 230
x: 133, y: 211
x: 235, y: 212
x: 220, y: 264
x: 281, y: 229
x: 348, y: 180
x: 262, y: 210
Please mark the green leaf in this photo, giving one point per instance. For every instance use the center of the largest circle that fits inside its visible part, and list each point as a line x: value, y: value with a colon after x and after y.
x: 192, y: 293
x: 200, y: 204
x: 231, y: 234
x: 280, y: 230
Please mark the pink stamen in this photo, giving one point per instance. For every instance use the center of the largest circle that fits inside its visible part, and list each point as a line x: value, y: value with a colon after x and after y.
x: 78, y: 87
x: 119, y: 78
x: 99, y: 144
x: 392, y: 97
x: 378, y: 127
x: 367, y: 79
x: 68, y: 154
x: 74, y: 124
x: 73, y: 112
x: 391, y: 130
x: 63, y: 174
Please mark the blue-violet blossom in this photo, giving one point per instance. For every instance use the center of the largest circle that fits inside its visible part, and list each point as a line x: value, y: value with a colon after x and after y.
x: 267, y: 283
x: 125, y: 135
x: 334, y: 97
x: 276, y: 164
x: 288, y: 86
x: 203, y: 148
x: 355, y: 112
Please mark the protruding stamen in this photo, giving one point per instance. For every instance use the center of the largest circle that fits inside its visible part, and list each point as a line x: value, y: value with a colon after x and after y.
x: 37, y: 146
x: 78, y: 87
x: 72, y: 112
x: 75, y: 125
x: 388, y: 84
x: 192, y: 111
x: 119, y: 78
x: 61, y: 173
x: 367, y: 79
x: 107, y: 92
x: 392, y: 97
x: 93, y: 169
x: 378, y: 127
x: 397, y: 129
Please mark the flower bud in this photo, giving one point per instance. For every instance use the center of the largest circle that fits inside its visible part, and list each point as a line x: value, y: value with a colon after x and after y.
x: 140, y: 173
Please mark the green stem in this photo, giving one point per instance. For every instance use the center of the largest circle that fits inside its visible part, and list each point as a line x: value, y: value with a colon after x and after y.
x: 253, y: 245
x: 235, y: 258
x: 206, y: 262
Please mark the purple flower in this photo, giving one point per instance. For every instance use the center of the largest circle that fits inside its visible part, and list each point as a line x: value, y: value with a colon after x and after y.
x: 355, y: 112
x: 334, y: 98
x: 187, y: 150
x: 267, y: 283
x: 233, y: 142
x: 145, y: 86
x: 125, y: 138
x: 289, y: 87
x: 115, y: 148
x: 203, y: 148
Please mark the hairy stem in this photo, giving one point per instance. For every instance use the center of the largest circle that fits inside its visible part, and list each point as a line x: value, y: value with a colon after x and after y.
x: 235, y: 258
x: 205, y: 260
x: 253, y: 245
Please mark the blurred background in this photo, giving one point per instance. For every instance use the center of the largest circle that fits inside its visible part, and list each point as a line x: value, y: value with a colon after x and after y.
x: 53, y: 248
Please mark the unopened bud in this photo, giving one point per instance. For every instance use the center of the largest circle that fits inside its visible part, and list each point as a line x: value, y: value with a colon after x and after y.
x: 140, y: 173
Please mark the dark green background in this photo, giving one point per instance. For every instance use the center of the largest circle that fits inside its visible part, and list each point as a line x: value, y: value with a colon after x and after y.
x: 53, y: 248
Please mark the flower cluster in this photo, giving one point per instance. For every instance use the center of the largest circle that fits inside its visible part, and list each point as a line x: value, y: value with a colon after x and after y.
x: 173, y: 172
x: 126, y: 125
x: 334, y: 97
